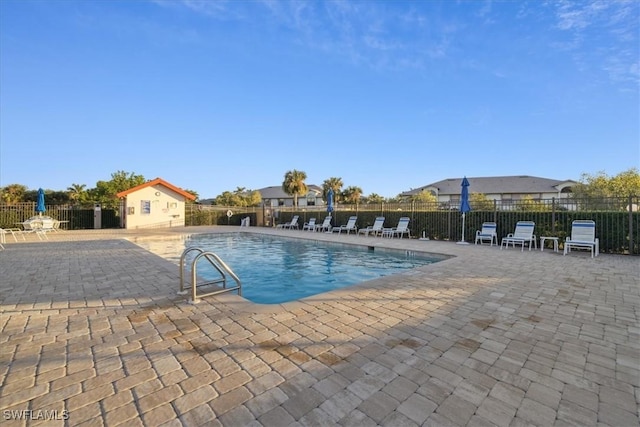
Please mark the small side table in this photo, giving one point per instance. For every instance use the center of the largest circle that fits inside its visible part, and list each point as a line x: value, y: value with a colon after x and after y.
x: 555, y: 243
x: 387, y: 232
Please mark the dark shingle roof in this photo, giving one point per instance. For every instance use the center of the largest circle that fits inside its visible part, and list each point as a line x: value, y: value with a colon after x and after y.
x: 522, y: 184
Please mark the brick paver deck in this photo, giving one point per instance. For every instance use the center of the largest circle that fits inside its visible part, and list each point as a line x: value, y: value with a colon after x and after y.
x: 93, y: 333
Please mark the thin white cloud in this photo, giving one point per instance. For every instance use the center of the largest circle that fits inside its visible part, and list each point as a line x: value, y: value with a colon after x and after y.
x: 595, y: 34
x: 601, y: 34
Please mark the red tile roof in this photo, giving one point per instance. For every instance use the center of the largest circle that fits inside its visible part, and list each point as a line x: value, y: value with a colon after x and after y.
x: 158, y: 181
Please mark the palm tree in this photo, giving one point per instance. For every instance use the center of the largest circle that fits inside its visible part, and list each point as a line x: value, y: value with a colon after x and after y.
x: 76, y: 192
x: 294, y: 185
x: 352, y: 194
x: 332, y: 183
x: 13, y: 193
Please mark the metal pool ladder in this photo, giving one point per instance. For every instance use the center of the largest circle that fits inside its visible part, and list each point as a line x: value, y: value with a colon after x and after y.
x: 218, y: 264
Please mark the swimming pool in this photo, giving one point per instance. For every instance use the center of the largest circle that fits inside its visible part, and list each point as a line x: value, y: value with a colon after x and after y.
x: 275, y: 270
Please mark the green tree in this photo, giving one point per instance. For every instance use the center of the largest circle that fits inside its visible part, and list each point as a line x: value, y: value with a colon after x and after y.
x: 195, y: 193
x: 227, y: 198
x: 424, y: 197
x: 373, y: 198
x: 254, y: 198
x: 601, y: 185
x: 480, y: 202
x: 240, y: 197
x: 397, y: 199
x: 13, y: 193
x: 352, y: 195
x: 596, y: 191
x: 77, y: 193
x: 528, y: 204
x: 51, y: 197
x: 294, y: 184
x: 105, y: 191
x: 332, y: 183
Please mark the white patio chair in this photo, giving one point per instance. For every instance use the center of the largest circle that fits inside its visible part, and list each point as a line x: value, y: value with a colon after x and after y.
x: 401, y: 229
x: 310, y: 226
x: 34, y: 226
x: 488, y: 232
x: 374, y: 229
x: 326, y: 224
x: 291, y: 224
x: 348, y: 227
x: 523, y: 235
x: 583, y: 236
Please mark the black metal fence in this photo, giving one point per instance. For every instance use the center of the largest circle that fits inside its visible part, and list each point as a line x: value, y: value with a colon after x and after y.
x: 617, y: 219
x: 77, y: 217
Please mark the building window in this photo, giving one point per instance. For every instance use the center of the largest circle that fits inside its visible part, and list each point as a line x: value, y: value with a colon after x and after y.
x: 145, y: 207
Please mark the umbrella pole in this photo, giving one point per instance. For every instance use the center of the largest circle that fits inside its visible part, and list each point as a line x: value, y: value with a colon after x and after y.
x: 462, y: 242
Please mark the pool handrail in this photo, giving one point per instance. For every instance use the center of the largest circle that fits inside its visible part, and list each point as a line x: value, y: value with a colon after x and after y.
x: 218, y: 264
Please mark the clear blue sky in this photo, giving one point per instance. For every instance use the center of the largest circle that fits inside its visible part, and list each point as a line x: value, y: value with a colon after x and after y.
x: 387, y: 95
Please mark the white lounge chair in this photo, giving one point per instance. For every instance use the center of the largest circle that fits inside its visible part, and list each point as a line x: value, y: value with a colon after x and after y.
x: 310, y: 226
x: 522, y: 235
x: 326, y: 224
x: 48, y: 224
x: 400, y: 230
x: 34, y: 226
x: 13, y: 231
x: 374, y: 229
x: 291, y: 224
x: 583, y: 236
x: 488, y: 232
x: 348, y: 227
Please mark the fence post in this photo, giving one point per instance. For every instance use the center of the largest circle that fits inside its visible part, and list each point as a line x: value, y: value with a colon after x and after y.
x: 495, y: 211
x: 630, y: 205
x: 553, y: 215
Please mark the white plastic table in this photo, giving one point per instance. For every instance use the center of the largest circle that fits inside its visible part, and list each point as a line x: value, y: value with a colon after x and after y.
x: 555, y: 243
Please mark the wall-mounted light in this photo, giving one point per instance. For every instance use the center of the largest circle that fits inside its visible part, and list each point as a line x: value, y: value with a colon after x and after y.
x: 158, y: 193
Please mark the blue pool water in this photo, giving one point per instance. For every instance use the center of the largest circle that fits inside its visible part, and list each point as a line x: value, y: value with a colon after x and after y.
x: 275, y: 270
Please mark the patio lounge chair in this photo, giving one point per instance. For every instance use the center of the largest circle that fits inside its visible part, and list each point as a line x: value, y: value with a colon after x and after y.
x: 291, y: 224
x: 522, y: 235
x: 34, y: 226
x: 348, y: 227
x: 400, y: 230
x: 310, y: 226
x: 326, y: 224
x: 14, y: 233
x: 583, y: 236
x: 488, y: 232
x: 374, y: 229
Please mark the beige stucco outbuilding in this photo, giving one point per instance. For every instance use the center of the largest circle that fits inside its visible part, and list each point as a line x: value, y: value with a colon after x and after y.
x: 156, y: 203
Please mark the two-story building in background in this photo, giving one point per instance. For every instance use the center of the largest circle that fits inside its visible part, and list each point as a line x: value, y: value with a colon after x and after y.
x: 500, y: 188
x: 275, y: 197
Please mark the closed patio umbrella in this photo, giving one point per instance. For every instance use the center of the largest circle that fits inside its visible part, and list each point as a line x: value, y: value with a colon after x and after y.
x: 330, y: 202
x: 464, y: 206
x: 40, y: 208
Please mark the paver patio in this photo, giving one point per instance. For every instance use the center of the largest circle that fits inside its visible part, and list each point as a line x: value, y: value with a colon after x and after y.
x: 93, y: 333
